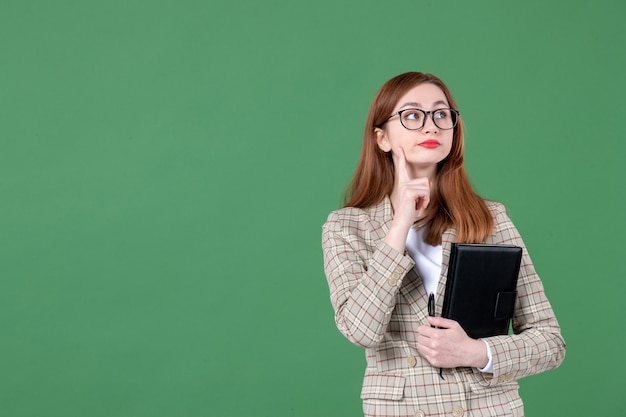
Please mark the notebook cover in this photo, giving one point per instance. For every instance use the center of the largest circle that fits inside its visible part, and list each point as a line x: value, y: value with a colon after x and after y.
x: 481, y: 287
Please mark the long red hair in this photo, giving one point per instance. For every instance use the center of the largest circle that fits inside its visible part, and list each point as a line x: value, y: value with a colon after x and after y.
x: 453, y: 202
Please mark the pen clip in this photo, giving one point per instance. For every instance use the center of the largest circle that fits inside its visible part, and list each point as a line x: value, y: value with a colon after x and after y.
x: 431, y: 305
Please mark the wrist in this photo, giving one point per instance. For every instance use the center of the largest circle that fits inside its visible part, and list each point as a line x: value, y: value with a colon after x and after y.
x: 481, y: 356
x: 396, y: 235
x: 401, y: 225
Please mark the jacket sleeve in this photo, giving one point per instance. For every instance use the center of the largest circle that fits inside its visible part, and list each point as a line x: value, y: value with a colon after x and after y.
x: 363, y: 277
x: 536, y: 345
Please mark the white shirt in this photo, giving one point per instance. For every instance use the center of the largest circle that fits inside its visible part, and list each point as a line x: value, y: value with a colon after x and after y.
x: 427, y: 258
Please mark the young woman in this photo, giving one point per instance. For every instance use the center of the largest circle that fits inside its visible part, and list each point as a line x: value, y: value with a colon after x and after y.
x: 387, y: 250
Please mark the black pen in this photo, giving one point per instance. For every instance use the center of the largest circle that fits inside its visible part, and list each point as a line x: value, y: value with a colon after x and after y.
x: 431, y: 313
x: 431, y: 305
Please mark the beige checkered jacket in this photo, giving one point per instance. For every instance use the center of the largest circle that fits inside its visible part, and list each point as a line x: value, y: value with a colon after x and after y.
x: 379, y: 301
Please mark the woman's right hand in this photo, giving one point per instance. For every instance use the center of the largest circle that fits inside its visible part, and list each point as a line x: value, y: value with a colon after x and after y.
x: 409, y: 199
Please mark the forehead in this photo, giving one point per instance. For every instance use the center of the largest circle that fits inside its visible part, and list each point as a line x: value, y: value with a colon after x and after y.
x: 424, y: 96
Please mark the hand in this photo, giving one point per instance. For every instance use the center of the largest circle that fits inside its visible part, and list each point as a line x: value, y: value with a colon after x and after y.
x: 411, y: 196
x: 448, y: 346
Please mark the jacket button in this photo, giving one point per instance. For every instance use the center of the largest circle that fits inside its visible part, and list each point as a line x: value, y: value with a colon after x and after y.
x: 506, y: 377
x: 411, y: 361
x: 395, y: 276
x: 457, y: 411
x: 420, y: 413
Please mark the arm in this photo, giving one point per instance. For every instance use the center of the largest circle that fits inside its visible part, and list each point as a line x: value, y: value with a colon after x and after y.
x: 536, y: 345
x: 363, y: 277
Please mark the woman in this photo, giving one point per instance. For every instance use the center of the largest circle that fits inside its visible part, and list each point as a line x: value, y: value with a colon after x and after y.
x: 387, y: 250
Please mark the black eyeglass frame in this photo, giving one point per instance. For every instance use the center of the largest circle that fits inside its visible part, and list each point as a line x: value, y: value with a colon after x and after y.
x: 453, y: 113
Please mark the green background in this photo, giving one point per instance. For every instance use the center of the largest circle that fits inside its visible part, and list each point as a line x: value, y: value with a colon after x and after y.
x: 166, y: 166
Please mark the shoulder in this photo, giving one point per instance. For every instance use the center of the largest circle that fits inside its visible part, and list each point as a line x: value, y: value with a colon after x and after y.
x: 504, y: 230
x: 351, y: 219
x: 498, y: 212
x: 495, y: 207
x: 347, y: 218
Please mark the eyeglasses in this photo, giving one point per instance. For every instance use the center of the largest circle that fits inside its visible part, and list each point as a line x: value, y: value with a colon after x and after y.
x: 415, y: 119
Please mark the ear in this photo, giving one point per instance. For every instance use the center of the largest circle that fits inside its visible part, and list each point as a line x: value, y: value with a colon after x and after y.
x: 382, y: 140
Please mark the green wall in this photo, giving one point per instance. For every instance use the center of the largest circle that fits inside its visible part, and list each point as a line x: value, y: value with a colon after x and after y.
x: 166, y: 166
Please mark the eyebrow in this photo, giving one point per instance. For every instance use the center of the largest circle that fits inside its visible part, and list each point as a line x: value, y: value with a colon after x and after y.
x: 414, y: 104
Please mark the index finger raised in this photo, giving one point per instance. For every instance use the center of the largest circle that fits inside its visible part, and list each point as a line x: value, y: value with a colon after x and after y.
x: 402, y: 171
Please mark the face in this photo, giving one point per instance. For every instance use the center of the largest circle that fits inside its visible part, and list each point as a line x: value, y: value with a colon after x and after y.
x: 423, y: 148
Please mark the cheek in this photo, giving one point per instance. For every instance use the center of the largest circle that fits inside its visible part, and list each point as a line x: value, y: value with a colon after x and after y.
x: 402, y: 136
x: 450, y: 140
x: 447, y: 148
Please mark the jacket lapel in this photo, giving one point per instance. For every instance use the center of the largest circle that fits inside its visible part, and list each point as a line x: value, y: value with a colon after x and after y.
x: 413, y: 291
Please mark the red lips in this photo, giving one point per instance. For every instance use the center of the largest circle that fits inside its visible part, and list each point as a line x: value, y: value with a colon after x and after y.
x: 430, y: 143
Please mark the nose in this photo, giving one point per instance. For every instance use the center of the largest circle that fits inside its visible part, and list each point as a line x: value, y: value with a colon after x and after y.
x: 429, y: 124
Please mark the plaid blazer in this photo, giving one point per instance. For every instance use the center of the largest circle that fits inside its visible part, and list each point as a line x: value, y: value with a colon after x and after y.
x: 379, y: 301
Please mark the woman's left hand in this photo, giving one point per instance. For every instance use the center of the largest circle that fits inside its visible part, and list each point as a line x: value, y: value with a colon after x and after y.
x: 448, y: 346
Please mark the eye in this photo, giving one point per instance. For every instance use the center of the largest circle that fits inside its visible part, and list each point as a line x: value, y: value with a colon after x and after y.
x: 442, y: 114
x: 414, y: 115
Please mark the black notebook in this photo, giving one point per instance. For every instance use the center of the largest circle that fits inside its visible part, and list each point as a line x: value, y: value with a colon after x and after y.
x: 481, y: 287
